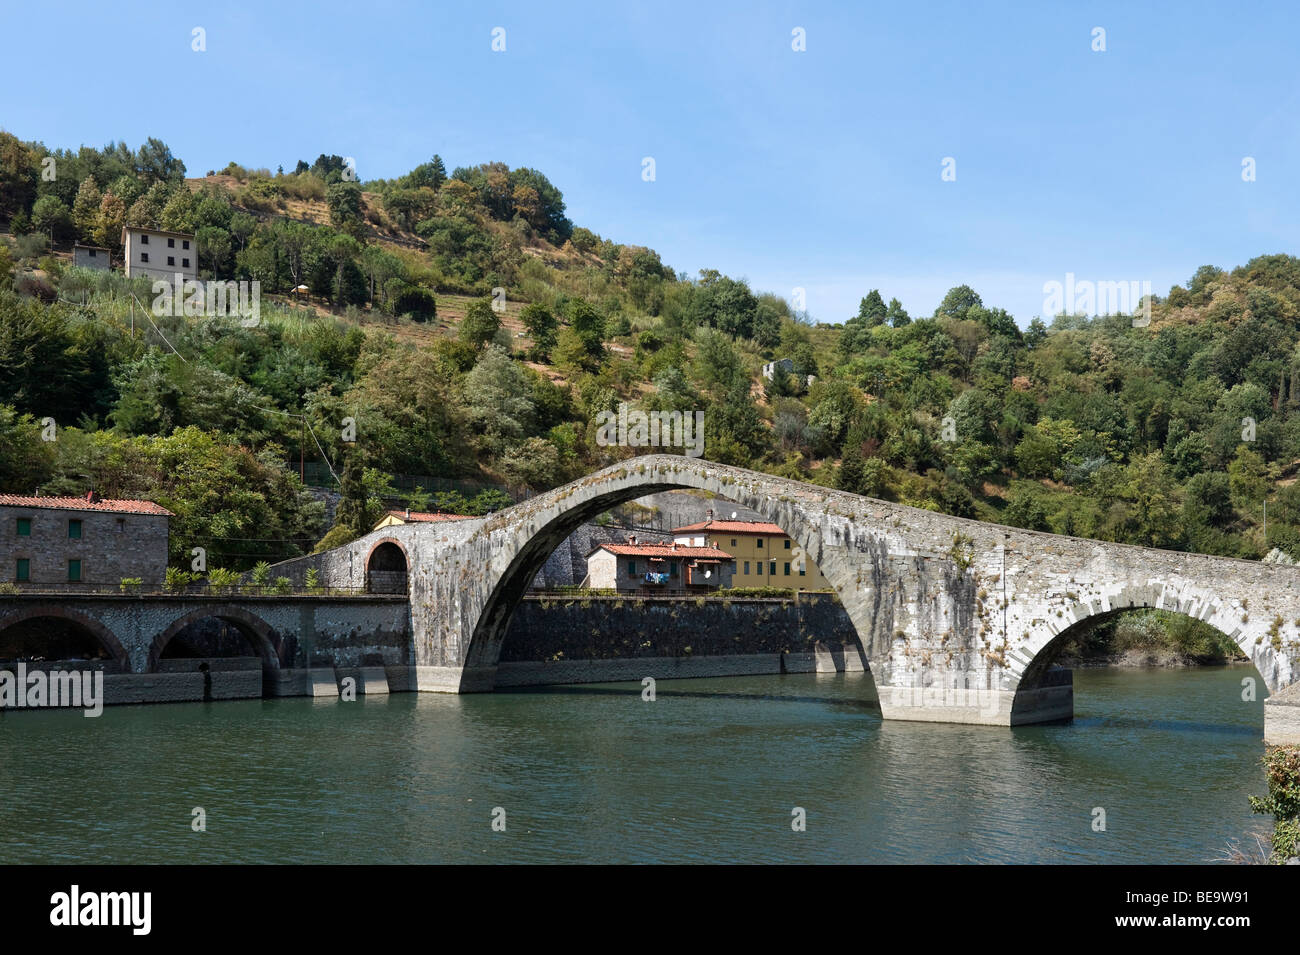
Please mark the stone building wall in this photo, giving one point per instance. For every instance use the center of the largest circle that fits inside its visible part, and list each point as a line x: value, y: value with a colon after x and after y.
x: 113, y: 545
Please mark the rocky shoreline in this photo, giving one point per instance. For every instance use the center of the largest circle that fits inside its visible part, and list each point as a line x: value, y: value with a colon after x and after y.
x: 1137, y: 658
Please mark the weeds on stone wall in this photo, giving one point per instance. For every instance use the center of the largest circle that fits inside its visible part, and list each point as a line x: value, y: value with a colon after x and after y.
x: 962, y: 552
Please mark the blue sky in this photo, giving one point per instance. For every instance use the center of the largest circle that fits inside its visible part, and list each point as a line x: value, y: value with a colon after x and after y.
x: 816, y: 169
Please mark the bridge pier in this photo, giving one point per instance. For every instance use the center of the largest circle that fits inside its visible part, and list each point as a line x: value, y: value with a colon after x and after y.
x: 1282, y: 717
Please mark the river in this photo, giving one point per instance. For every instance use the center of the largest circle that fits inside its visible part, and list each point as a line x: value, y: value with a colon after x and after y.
x: 710, y: 771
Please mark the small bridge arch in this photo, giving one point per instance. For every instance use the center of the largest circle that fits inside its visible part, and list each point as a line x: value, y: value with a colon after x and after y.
x: 1231, y: 617
x: 89, y: 625
x: 264, y: 638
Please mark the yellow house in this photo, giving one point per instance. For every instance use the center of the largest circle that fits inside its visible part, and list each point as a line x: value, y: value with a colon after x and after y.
x: 762, y: 554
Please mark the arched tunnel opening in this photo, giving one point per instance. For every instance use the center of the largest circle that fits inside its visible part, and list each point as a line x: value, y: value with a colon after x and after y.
x: 707, y: 584
x: 211, y: 638
x: 235, y: 660
x: 49, y: 639
x: 386, y: 569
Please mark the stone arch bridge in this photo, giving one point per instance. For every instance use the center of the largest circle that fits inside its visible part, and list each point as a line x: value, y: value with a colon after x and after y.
x: 291, y: 645
x: 957, y: 620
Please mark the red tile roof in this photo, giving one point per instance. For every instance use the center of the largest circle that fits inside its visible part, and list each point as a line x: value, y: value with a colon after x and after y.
x: 733, y: 527
x: 662, y: 550
x: 428, y: 516
x: 83, y: 504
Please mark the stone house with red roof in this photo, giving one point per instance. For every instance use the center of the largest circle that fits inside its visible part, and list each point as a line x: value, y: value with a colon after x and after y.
x: 657, y: 567
x: 82, y: 541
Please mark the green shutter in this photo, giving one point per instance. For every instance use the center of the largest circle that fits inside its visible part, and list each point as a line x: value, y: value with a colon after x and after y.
x: 24, y: 569
x: 74, y: 571
x: 24, y: 527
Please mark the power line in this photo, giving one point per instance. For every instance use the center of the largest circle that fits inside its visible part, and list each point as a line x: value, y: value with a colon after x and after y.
x: 310, y: 430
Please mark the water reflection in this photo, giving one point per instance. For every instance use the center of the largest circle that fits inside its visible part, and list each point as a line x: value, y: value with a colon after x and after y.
x: 709, y: 771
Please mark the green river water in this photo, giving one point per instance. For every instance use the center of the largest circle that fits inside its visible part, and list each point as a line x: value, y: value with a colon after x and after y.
x: 709, y: 771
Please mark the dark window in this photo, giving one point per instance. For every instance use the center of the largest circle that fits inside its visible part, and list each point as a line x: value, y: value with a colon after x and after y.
x: 800, y: 571
x: 185, y: 263
x: 144, y: 256
x: 672, y: 569
x: 787, y: 568
x: 92, y: 253
x: 758, y: 568
x: 760, y: 543
x: 772, y: 570
x: 733, y: 542
x: 631, y: 568
x: 74, y: 571
x: 787, y: 544
x: 746, y: 568
x: 74, y: 529
x: 171, y: 243
x: 171, y: 260
x: 733, y: 566
x: 24, y: 571
x: 24, y: 527
x: 185, y: 243
x: 144, y: 240
x: 121, y: 524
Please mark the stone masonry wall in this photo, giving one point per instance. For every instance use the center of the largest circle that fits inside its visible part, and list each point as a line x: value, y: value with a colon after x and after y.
x: 108, y: 550
x: 611, y: 627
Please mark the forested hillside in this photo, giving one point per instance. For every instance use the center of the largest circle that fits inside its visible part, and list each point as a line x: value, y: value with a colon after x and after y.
x: 1173, y: 434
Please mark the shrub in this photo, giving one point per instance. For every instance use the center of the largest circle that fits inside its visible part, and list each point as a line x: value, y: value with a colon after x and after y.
x: 261, y: 574
x: 131, y: 585
x: 222, y: 580
x: 177, y: 580
x: 282, y: 585
x: 414, y: 301
x: 1282, y: 767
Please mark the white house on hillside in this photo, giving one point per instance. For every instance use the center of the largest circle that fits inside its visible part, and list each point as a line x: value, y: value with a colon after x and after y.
x: 159, y: 254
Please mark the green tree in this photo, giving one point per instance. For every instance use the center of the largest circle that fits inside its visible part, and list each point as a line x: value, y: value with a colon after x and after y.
x: 480, y: 324
x: 85, y: 210
x: 109, y: 223
x: 872, y: 310
x: 498, y: 400
x: 51, y: 216
x: 589, y: 325
x: 345, y: 205
x: 541, y: 325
